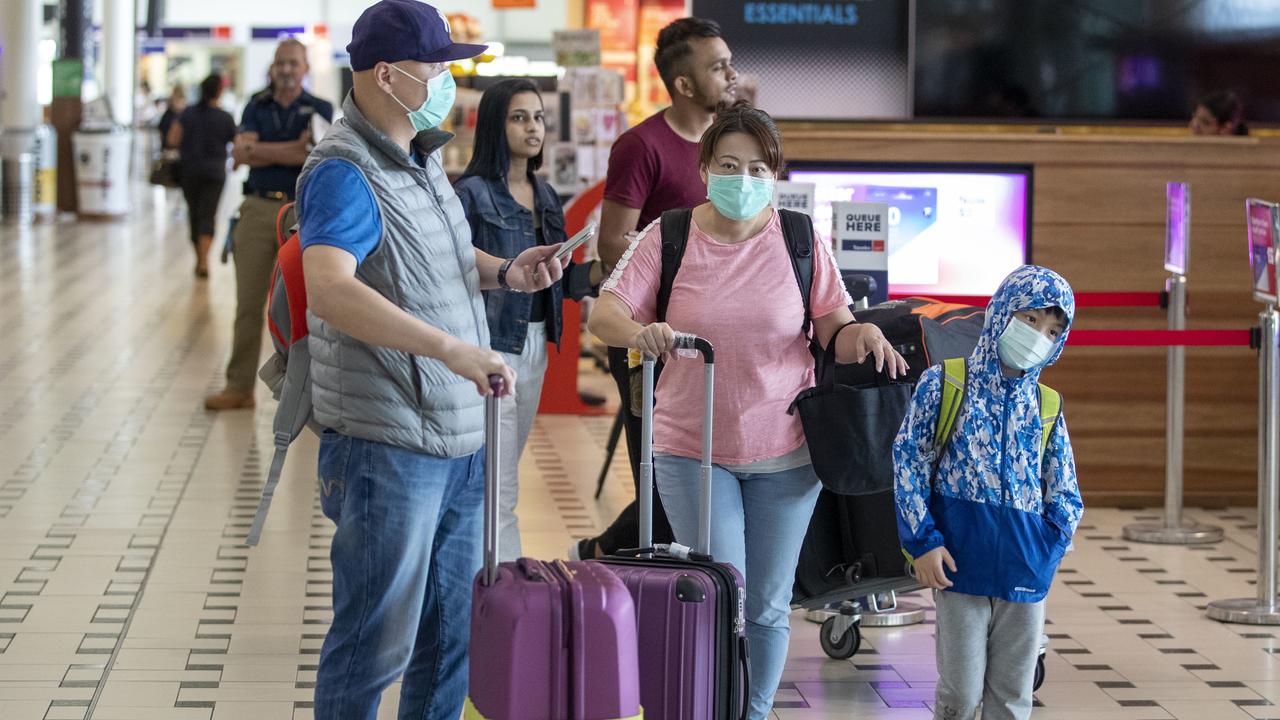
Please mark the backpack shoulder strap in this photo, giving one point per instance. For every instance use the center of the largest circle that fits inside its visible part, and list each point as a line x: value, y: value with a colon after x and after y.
x: 675, y: 235
x: 293, y: 413
x: 285, y: 220
x: 953, y: 379
x: 1050, y: 411
x: 797, y: 229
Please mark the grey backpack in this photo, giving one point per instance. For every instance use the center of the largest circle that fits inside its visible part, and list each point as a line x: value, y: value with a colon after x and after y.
x: 288, y: 371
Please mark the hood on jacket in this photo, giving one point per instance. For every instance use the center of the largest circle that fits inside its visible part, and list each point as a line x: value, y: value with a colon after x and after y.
x: 1029, y: 287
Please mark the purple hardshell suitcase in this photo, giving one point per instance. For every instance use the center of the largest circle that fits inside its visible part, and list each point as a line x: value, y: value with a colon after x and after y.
x: 549, y: 640
x: 691, y: 609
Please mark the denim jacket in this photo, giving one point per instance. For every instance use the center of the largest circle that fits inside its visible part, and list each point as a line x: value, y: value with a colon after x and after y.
x: 504, y: 228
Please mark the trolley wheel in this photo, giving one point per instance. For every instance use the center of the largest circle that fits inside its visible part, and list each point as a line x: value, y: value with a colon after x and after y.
x: 1039, y: 678
x: 848, y: 645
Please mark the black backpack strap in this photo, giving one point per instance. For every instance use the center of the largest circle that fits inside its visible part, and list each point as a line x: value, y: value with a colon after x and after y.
x: 797, y: 228
x: 675, y: 235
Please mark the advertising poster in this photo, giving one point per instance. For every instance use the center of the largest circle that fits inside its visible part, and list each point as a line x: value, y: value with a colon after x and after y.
x: 838, y: 59
x: 860, y: 231
x: 651, y: 94
x: 616, y: 22
x: 796, y: 196
x: 1263, y: 233
x: 1177, y: 227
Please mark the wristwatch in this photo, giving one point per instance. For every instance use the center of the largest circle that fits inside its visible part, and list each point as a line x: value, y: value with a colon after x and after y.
x: 502, y: 275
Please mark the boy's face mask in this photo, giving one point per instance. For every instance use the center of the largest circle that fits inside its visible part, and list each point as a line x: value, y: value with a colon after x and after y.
x: 1020, y: 346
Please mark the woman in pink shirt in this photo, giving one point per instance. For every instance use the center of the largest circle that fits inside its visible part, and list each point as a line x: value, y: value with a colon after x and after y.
x: 736, y: 287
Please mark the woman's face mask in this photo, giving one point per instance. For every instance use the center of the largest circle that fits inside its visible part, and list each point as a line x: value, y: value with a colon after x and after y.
x: 440, y: 96
x: 739, y: 197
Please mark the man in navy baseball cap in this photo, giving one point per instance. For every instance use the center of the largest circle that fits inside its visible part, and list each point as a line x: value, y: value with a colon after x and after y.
x: 400, y: 360
x: 395, y: 30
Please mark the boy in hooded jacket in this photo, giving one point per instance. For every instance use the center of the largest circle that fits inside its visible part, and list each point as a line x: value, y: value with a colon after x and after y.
x: 986, y: 516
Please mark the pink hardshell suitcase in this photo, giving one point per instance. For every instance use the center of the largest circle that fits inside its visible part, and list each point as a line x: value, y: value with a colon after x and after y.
x: 691, y: 609
x: 549, y: 640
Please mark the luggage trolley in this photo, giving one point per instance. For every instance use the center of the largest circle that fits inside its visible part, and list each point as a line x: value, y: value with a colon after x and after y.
x: 841, y: 615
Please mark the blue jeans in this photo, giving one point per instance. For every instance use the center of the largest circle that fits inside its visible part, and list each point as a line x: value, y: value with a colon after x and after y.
x: 758, y: 525
x: 407, y: 548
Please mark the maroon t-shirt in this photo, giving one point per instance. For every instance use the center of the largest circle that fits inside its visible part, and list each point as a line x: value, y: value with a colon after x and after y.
x: 654, y: 169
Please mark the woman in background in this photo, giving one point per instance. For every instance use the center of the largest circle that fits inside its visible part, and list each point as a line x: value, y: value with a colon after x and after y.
x: 202, y: 134
x: 511, y: 209
x: 177, y: 104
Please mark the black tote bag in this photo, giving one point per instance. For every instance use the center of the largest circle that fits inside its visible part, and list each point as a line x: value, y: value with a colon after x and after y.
x: 850, y: 428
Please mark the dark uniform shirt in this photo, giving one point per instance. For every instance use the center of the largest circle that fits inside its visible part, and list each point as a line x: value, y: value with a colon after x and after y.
x: 276, y: 123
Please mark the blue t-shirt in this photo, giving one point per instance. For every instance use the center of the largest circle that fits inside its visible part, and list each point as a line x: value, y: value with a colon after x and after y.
x: 336, y: 207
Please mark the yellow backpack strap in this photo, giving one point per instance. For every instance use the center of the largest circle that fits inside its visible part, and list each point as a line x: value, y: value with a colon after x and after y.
x: 953, y: 377
x: 1050, y: 409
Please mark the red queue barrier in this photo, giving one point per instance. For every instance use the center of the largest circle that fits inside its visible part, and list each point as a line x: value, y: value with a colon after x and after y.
x: 1083, y: 300
x: 1161, y: 338
x: 560, y: 385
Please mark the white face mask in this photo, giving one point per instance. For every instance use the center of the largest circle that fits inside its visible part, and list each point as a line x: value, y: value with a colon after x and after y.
x: 1022, y: 347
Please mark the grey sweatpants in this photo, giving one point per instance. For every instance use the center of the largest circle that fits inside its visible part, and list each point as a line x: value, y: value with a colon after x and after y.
x: 987, y: 649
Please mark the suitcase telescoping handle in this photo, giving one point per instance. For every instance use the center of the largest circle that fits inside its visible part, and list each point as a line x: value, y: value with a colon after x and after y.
x: 492, y: 440
x: 684, y: 341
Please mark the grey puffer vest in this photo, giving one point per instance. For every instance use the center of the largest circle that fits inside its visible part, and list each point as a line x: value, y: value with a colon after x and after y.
x: 425, y: 264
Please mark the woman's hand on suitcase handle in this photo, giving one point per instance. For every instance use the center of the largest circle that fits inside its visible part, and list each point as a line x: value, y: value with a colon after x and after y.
x: 655, y: 340
x: 929, y: 568
x: 477, y: 364
x: 869, y: 341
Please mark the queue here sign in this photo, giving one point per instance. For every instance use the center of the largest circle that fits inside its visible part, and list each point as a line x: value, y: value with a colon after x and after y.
x: 860, y: 232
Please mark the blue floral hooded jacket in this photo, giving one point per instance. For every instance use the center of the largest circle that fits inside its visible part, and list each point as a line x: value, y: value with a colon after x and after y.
x: 1005, y: 515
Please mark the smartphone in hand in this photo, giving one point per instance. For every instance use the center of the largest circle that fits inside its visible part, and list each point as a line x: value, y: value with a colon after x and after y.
x: 576, y: 241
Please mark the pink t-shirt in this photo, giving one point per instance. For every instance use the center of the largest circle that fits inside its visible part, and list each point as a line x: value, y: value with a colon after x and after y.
x: 744, y: 299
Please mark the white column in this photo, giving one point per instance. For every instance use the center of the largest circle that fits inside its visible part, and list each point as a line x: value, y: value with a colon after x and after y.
x: 119, y: 51
x: 19, y: 43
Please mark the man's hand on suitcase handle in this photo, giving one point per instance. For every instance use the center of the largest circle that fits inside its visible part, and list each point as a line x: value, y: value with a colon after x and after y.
x: 929, y: 570
x: 478, y: 364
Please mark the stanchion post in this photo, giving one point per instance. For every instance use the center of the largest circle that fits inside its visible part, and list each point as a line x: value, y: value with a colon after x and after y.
x: 1263, y: 609
x: 1174, y: 530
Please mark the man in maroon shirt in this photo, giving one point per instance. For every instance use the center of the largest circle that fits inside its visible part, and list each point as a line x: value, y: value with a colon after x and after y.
x: 653, y: 168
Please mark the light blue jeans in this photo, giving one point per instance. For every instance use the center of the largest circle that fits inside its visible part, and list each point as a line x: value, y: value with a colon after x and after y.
x: 758, y: 525
x: 407, y: 548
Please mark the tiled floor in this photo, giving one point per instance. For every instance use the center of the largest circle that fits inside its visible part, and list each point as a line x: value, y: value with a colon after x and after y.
x: 125, y: 593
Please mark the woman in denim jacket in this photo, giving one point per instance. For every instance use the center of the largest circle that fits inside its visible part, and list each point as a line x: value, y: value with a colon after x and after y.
x: 510, y: 210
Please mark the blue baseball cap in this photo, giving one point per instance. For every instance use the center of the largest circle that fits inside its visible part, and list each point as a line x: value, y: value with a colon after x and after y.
x: 395, y: 30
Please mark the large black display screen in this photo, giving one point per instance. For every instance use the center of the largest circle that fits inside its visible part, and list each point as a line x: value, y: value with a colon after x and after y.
x: 1104, y: 59
x: 838, y: 59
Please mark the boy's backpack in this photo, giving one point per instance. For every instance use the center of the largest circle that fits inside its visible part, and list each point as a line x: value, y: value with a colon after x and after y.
x: 954, y: 373
x: 288, y: 371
